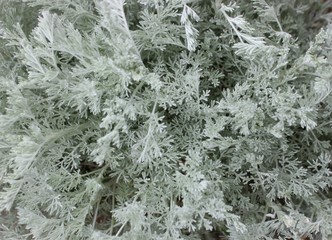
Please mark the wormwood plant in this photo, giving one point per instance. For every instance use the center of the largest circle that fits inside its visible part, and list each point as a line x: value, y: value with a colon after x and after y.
x: 165, y: 119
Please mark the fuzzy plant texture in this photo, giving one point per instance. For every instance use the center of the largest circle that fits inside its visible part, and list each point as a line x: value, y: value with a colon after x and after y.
x: 165, y: 119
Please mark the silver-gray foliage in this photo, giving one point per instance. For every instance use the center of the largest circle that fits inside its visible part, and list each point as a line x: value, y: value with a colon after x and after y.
x: 165, y: 119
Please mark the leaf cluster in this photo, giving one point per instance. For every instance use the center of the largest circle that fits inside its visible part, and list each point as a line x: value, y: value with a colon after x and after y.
x: 153, y: 119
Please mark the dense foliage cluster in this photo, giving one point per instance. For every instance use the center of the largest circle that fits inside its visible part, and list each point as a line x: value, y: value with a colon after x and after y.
x: 165, y: 119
